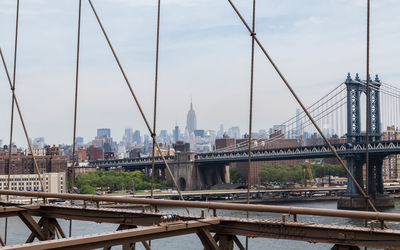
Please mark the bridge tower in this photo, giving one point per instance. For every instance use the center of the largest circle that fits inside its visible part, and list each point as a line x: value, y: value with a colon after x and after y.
x: 355, y: 135
x: 355, y: 88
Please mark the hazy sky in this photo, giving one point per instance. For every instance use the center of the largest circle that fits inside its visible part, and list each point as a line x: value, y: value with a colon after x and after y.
x: 204, y: 54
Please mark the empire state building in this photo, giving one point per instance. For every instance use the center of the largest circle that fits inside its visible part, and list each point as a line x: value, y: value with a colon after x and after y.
x: 191, y: 122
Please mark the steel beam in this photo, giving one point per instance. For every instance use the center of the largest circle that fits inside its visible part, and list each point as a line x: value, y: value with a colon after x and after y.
x: 310, y: 232
x: 11, y: 210
x: 207, y: 240
x: 216, y: 205
x: 32, y: 225
x: 99, y: 215
x: 121, y: 237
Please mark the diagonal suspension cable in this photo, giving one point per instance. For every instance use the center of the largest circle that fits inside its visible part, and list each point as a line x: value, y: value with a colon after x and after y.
x: 12, y: 117
x: 22, y: 120
x: 136, y: 101
x: 303, y: 107
x: 155, y: 97
x: 76, y: 94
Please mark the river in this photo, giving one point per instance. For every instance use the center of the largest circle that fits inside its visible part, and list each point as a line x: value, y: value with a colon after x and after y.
x: 18, y: 232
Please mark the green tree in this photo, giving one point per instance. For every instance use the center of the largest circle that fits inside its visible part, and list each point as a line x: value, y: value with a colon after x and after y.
x: 86, y: 189
x: 234, y: 175
x: 119, y: 180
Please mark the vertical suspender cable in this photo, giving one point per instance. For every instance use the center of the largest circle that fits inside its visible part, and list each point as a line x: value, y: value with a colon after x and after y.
x: 12, y: 116
x: 155, y: 98
x: 75, y: 106
x: 76, y: 95
x: 136, y: 100
x: 367, y: 111
x: 251, y: 113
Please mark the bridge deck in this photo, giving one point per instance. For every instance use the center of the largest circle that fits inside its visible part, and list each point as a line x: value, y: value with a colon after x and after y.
x: 160, y: 225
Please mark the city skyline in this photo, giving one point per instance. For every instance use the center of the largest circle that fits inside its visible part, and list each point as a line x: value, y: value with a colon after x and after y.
x: 208, y: 65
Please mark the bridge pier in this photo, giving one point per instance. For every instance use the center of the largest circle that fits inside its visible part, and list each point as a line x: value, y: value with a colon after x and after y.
x: 191, y: 176
x: 353, y: 198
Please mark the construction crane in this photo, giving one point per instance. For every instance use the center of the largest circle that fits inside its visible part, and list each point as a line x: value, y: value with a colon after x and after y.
x: 307, y: 161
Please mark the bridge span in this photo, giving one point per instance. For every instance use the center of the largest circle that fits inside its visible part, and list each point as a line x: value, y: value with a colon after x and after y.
x: 202, y: 170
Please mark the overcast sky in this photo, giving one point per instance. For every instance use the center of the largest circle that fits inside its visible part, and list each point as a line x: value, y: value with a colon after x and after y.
x: 204, y: 54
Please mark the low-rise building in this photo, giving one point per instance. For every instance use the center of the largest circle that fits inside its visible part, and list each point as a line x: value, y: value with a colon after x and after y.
x: 53, y: 182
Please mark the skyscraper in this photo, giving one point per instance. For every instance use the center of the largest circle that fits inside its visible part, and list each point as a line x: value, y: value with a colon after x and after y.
x: 103, y: 132
x: 136, y: 137
x: 128, y: 135
x: 176, y: 133
x: 191, y: 122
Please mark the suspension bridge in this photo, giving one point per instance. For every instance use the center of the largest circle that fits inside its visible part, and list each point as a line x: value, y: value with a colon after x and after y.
x: 337, y: 112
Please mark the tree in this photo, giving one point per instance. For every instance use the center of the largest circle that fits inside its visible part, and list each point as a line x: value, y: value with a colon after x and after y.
x: 111, y: 180
x: 234, y: 175
x: 86, y: 189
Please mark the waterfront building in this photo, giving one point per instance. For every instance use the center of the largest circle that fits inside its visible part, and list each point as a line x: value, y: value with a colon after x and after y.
x: 391, y: 164
x: 53, y: 182
x: 24, y: 164
x: 95, y: 153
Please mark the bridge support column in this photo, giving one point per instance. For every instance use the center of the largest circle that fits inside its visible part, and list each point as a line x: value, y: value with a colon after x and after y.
x: 353, y: 199
x: 350, y: 185
x: 379, y: 177
x: 372, y: 179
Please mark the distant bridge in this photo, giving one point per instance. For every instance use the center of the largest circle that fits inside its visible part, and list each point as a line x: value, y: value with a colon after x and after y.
x: 381, y: 148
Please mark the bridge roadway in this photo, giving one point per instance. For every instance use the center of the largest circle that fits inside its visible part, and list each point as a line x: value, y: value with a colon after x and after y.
x: 380, y: 148
x: 156, y: 225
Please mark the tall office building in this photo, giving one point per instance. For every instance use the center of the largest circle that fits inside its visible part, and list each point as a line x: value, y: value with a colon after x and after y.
x: 103, y: 132
x: 79, y: 141
x: 136, y: 137
x: 128, y: 135
x: 298, y: 123
x: 191, y: 122
x: 234, y: 132
x: 176, y: 133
